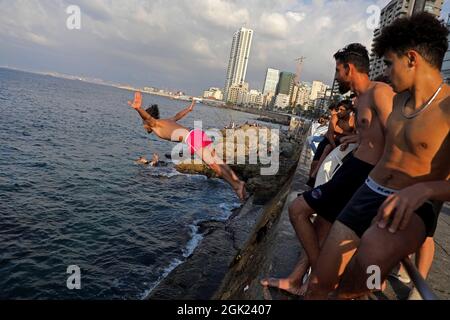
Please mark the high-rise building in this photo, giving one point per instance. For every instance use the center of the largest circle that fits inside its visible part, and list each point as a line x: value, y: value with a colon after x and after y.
x: 446, y: 64
x: 239, y: 55
x: 303, y: 95
x: 237, y: 92
x: 271, y: 82
x: 398, y: 9
x: 253, y: 98
x: 286, y: 83
x: 318, y: 90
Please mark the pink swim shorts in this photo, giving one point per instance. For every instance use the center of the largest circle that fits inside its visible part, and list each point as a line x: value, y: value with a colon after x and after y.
x: 197, y: 140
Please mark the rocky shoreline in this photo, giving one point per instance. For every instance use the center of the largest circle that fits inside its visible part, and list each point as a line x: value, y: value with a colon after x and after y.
x: 263, y: 187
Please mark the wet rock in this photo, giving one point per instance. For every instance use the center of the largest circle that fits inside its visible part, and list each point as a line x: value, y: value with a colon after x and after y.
x: 189, y: 167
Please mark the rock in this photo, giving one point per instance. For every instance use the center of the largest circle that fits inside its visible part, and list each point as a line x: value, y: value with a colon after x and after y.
x: 264, y: 187
x: 188, y: 167
x: 287, y: 149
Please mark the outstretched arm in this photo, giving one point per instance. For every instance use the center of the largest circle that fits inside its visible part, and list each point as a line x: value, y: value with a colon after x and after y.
x: 137, y: 105
x: 180, y: 115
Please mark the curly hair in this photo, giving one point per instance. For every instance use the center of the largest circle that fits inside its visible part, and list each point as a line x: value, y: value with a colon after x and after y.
x: 153, y: 111
x: 355, y: 54
x: 421, y: 32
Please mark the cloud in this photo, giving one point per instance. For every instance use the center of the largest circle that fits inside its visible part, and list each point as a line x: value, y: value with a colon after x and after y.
x: 274, y: 25
x: 219, y: 13
x: 296, y: 16
x: 179, y: 44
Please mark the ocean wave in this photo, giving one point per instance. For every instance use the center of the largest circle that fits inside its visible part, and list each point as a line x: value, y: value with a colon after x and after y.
x: 193, y: 243
x: 227, y: 209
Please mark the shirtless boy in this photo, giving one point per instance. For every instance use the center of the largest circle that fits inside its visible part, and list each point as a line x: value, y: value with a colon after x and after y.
x: 394, y: 212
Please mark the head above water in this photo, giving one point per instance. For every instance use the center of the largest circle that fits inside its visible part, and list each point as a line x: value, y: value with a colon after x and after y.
x: 411, y: 47
x: 351, y: 60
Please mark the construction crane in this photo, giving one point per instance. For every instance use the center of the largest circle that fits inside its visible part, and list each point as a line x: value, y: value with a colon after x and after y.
x: 298, y: 73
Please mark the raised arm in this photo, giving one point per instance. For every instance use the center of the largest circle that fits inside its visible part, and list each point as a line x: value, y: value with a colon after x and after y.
x: 137, y: 105
x: 180, y: 115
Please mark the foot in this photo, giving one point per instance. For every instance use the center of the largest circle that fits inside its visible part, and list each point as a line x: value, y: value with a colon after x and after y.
x: 285, y: 285
x: 240, y: 190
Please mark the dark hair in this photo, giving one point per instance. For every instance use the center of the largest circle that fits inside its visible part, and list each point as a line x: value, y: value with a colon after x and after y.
x: 355, y: 54
x: 421, y: 32
x: 347, y: 104
x: 332, y: 106
x: 153, y: 111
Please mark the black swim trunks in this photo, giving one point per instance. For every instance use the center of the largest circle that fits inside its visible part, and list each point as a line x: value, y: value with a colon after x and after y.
x: 329, y: 199
x: 363, y: 208
x: 320, y: 149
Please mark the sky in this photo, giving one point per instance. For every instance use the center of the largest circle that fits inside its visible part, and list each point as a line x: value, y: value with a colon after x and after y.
x: 180, y: 44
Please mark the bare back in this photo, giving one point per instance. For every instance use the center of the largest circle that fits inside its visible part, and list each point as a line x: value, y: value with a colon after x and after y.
x: 373, y: 108
x: 169, y: 130
x: 417, y: 149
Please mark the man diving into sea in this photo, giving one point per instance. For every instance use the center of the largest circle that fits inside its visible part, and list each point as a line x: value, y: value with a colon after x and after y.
x: 197, y: 140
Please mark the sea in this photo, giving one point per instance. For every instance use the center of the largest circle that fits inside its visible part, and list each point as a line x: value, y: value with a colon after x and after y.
x: 73, y: 198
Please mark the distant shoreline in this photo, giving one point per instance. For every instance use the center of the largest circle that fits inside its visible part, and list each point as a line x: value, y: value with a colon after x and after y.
x: 87, y: 80
x: 266, y: 116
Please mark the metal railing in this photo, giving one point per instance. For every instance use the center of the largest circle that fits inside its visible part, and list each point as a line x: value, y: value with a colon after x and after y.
x: 419, y: 282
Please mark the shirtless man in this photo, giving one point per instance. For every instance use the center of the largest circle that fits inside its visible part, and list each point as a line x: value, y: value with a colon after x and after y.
x: 342, y: 124
x: 374, y: 104
x: 390, y: 216
x: 197, y: 140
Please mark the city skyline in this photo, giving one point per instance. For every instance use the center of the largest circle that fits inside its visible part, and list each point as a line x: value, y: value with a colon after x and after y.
x: 181, y: 45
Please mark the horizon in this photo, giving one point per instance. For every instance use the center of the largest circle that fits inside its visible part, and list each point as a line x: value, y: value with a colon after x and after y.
x: 117, y: 42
